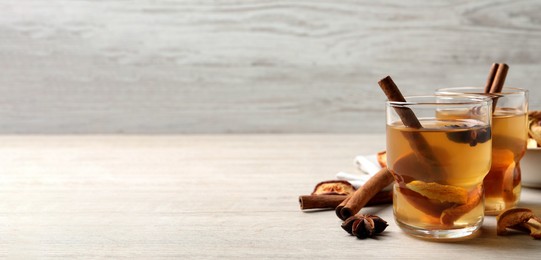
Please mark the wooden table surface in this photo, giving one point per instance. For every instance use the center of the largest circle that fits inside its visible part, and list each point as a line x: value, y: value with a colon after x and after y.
x: 200, y: 196
x: 248, y: 66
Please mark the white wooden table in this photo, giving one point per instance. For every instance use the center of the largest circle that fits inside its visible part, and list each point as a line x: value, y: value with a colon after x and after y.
x: 225, y: 196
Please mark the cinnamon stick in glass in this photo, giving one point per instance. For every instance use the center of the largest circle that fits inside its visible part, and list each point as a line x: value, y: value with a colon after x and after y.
x: 499, y: 79
x: 491, y: 76
x: 419, y: 145
x: 393, y: 94
x: 353, y: 204
x: 497, y: 87
x: 496, y: 80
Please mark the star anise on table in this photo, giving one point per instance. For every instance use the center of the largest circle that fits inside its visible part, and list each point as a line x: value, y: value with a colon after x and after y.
x: 363, y: 226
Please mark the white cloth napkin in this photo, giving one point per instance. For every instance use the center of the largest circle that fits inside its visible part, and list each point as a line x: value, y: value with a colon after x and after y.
x: 368, y: 165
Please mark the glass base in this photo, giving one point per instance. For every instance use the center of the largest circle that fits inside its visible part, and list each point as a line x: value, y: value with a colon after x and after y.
x: 495, y: 206
x: 495, y: 209
x: 457, y: 234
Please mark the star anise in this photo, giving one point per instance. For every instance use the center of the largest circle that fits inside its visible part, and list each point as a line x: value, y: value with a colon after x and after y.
x: 363, y: 226
x: 474, y: 136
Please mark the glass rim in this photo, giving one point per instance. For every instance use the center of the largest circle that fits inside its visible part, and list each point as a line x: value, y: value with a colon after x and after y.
x: 461, y: 99
x: 453, y: 90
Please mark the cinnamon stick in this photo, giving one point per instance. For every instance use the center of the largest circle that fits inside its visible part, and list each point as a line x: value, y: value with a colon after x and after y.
x: 497, y: 86
x: 496, y: 80
x: 491, y: 76
x: 354, y: 203
x: 499, y: 79
x: 332, y: 201
x: 418, y: 143
x: 393, y: 94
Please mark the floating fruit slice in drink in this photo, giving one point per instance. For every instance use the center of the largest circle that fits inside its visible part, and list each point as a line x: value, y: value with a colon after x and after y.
x: 442, y: 193
x: 450, y: 215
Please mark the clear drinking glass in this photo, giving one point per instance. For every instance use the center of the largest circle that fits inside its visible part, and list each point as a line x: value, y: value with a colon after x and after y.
x: 439, y: 168
x: 510, y: 134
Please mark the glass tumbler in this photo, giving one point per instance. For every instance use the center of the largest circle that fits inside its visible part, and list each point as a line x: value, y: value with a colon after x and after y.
x: 439, y: 167
x: 510, y: 135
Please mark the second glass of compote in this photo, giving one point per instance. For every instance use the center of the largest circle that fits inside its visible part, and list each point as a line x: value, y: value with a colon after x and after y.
x: 509, y: 137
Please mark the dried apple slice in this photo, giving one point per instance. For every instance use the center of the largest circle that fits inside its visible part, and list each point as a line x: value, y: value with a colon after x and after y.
x: 534, y: 125
x: 522, y: 219
x: 432, y: 208
x: 440, y: 192
x: 450, y: 215
x: 334, y: 187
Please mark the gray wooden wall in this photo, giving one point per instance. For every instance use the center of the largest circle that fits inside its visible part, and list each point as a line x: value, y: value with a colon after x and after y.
x: 247, y: 66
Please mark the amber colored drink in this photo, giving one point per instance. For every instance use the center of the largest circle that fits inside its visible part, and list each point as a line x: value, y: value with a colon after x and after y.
x: 509, y: 137
x: 502, y: 184
x: 442, y: 191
